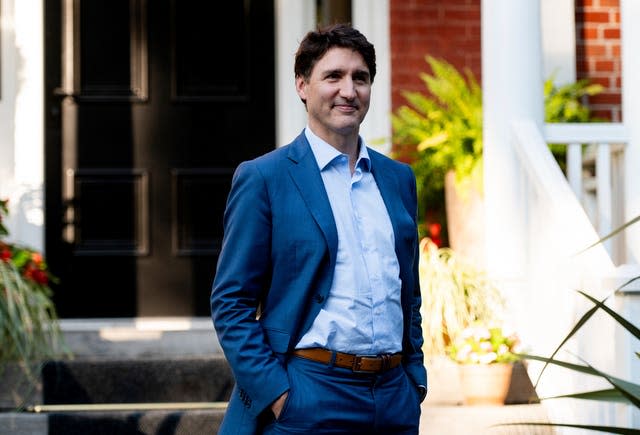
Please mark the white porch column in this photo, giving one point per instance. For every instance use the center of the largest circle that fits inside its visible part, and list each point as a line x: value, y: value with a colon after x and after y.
x: 374, y: 24
x: 294, y: 18
x: 512, y: 89
x: 558, y: 40
x: 629, y: 13
x: 630, y: 300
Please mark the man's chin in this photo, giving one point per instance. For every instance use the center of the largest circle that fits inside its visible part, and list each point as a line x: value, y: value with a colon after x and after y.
x: 348, y: 123
x: 347, y: 130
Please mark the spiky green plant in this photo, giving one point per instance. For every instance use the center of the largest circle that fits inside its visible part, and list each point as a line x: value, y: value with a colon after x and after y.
x: 621, y: 391
x: 28, y: 327
x: 455, y: 296
x: 29, y: 331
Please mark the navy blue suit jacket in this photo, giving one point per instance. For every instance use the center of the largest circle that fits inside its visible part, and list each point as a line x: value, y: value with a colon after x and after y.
x: 279, y: 253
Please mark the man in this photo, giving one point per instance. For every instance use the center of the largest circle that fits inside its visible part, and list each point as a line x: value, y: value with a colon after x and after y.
x: 320, y: 239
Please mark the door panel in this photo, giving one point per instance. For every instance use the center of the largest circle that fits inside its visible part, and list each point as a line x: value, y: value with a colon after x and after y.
x: 109, y: 48
x: 158, y: 102
x: 213, y: 63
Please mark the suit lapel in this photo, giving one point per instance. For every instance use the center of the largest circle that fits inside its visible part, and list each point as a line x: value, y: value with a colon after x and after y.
x: 389, y: 187
x: 306, y: 176
x: 389, y: 190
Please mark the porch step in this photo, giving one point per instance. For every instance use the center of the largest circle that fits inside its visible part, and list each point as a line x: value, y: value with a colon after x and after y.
x: 193, y: 422
x: 143, y: 337
x: 152, y: 396
x: 157, y: 422
x: 150, y: 369
x: 202, y: 379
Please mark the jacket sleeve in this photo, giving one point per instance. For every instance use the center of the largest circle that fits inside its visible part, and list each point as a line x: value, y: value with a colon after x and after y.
x: 415, y: 364
x: 242, y: 279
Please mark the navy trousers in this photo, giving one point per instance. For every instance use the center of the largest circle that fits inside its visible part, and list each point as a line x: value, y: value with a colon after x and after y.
x: 325, y: 399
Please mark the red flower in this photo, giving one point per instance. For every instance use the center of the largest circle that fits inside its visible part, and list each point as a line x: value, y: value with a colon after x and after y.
x: 32, y: 272
x: 5, y: 255
x: 434, y: 229
x: 28, y: 271
x: 40, y: 276
x: 37, y: 258
x: 434, y: 233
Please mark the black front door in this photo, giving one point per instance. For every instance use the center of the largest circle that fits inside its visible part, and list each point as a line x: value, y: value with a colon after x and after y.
x: 151, y: 106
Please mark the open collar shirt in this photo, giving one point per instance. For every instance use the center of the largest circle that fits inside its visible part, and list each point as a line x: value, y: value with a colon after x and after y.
x: 363, y: 313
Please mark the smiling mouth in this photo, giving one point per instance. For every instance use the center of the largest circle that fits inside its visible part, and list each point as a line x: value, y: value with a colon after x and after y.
x: 346, y: 107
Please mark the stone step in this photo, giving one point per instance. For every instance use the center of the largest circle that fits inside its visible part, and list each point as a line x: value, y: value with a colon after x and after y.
x: 141, y: 337
x: 89, y: 381
x: 144, y: 361
x: 435, y: 420
x: 136, y: 423
x: 156, y: 422
x: 201, y: 379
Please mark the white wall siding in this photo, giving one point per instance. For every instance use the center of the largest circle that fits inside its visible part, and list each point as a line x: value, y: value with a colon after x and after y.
x: 22, y: 119
x: 294, y: 18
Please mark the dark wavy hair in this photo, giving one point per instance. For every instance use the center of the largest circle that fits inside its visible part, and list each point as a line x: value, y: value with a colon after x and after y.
x: 316, y: 43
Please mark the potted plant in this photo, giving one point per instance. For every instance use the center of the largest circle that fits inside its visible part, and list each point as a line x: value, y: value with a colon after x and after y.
x: 29, y: 331
x: 440, y: 132
x: 485, y: 356
x: 442, y: 135
x: 455, y: 296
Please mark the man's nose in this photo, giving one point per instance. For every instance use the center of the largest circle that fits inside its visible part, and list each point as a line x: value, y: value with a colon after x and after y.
x: 347, y: 89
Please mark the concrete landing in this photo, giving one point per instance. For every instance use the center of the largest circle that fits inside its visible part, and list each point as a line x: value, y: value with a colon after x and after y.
x: 478, y: 420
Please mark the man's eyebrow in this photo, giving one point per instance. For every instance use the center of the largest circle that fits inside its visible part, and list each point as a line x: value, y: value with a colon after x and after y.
x: 330, y: 72
x: 359, y: 72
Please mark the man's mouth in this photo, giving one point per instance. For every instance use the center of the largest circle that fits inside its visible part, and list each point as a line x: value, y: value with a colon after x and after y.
x: 346, y: 107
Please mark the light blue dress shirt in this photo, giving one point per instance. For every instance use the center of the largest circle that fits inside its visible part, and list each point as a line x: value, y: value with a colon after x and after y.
x: 363, y: 313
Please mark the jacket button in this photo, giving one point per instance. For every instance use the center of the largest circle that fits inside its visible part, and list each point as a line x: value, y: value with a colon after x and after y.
x: 319, y: 298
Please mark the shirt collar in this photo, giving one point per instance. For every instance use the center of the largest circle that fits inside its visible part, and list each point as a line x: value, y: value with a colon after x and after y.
x: 325, y: 153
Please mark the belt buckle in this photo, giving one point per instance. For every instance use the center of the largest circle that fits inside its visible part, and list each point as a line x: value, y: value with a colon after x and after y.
x: 357, y: 364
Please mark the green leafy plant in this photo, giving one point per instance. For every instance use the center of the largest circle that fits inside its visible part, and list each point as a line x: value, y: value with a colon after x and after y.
x: 29, y: 331
x: 485, y: 345
x: 455, y: 295
x: 443, y: 129
x: 440, y: 130
x: 564, y: 103
x: 621, y: 390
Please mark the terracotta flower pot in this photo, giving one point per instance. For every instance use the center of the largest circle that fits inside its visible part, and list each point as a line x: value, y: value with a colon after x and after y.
x: 465, y: 219
x: 485, y: 384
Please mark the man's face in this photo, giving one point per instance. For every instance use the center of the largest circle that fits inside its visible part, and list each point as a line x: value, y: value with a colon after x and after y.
x: 337, y: 93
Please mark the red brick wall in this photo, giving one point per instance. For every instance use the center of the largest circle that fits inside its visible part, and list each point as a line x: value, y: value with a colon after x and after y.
x: 448, y: 29
x: 598, y: 53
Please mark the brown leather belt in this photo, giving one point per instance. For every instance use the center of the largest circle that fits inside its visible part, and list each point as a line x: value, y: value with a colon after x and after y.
x: 357, y: 363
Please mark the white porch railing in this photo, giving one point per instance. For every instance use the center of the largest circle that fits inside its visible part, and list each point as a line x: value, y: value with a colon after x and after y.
x: 557, y: 228
x: 595, y: 172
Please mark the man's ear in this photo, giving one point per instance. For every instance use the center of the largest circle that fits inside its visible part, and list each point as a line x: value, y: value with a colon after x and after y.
x: 301, y: 88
